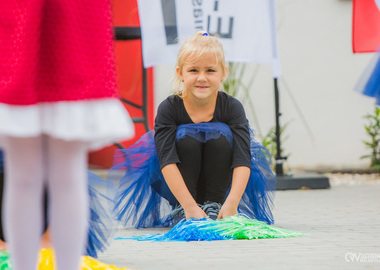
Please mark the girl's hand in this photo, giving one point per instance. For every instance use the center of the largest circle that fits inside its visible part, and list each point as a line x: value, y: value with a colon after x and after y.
x: 227, y: 210
x: 195, y: 212
x: 240, y: 178
x: 3, y: 245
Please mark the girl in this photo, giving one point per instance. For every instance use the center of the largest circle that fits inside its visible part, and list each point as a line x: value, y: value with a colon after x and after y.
x: 57, y: 100
x: 203, y: 160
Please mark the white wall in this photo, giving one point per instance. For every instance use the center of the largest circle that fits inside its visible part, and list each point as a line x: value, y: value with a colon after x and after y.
x: 319, y: 71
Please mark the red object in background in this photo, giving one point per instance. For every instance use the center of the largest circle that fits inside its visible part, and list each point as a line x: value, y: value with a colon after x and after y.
x: 129, y: 73
x: 365, y: 26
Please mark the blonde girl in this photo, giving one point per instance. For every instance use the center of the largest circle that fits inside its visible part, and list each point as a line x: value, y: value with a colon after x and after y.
x: 201, y: 160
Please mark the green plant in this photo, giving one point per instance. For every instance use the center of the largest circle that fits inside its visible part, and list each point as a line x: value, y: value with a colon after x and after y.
x: 269, y: 142
x: 372, y: 127
x: 235, y: 87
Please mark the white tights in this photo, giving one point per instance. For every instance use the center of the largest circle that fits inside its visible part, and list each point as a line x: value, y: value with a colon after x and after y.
x: 61, y: 165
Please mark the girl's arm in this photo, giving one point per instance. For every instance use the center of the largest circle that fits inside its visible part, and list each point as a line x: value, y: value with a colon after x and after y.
x: 240, y: 178
x: 241, y: 155
x: 178, y: 187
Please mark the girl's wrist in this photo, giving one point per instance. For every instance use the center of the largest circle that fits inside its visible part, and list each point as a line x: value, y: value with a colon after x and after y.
x: 187, y: 206
x: 232, y: 201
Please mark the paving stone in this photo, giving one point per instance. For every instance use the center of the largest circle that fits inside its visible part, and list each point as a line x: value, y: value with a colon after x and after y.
x: 340, y: 220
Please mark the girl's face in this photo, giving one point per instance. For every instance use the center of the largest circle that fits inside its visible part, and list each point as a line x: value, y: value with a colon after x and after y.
x: 202, y: 78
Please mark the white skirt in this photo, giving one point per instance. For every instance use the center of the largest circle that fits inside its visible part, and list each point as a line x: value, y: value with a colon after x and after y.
x: 97, y: 122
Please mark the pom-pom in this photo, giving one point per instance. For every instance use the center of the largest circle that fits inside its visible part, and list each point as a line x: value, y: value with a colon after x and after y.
x: 5, y: 262
x: 234, y: 227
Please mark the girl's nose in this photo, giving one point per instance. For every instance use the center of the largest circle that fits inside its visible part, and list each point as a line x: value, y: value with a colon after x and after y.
x: 201, y: 76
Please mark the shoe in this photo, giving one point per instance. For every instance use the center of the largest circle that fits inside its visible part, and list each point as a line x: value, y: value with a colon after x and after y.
x: 211, y: 209
x: 178, y: 214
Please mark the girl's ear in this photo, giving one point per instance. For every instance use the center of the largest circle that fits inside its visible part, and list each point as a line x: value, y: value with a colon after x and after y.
x: 179, y: 72
x: 226, y: 71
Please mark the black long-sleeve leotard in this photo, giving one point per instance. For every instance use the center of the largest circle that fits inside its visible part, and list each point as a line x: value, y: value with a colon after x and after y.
x: 172, y: 113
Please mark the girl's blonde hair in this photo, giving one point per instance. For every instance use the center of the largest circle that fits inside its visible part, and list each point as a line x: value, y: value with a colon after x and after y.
x: 193, y: 49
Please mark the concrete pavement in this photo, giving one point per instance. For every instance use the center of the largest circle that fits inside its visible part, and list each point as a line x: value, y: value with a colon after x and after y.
x: 342, y: 223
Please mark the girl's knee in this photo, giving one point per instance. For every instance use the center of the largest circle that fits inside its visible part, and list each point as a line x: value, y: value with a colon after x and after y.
x: 188, y: 145
x: 219, y: 146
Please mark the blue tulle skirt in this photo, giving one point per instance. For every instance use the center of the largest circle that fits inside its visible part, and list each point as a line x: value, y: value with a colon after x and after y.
x: 101, y: 225
x: 143, y: 199
x: 369, y: 82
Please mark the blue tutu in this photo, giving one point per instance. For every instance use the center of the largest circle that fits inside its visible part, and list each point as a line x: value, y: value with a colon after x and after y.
x: 102, y: 225
x: 369, y: 82
x: 138, y: 202
x: 143, y: 199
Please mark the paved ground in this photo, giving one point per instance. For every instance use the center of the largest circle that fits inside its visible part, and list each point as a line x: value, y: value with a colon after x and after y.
x: 342, y: 223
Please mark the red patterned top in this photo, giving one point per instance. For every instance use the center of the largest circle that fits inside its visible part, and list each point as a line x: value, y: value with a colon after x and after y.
x: 55, y: 50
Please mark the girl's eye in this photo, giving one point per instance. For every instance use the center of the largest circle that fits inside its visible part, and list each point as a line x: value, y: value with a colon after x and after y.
x: 193, y: 70
x: 211, y: 70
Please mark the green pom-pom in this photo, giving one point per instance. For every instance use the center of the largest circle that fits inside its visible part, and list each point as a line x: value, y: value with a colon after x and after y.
x: 5, y: 263
x: 240, y: 227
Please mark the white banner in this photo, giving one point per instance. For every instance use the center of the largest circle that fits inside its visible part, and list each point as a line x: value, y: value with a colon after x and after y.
x: 247, y: 29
